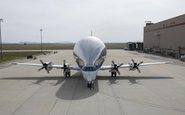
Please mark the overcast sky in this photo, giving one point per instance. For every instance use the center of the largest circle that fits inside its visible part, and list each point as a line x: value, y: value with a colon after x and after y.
x: 70, y: 20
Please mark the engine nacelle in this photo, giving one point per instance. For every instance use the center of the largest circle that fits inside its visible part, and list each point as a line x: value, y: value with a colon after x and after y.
x: 134, y: 66
x: 131, y: 66
x: 66, y: 72
x: 49, y: 66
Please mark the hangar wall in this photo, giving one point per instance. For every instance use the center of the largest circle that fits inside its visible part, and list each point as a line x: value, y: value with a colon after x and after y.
x: 168, y: 35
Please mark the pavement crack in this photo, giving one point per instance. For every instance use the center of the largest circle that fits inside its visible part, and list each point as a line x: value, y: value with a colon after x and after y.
x: 116, y: 98
x: 53, y: 106
x: 73, y: 95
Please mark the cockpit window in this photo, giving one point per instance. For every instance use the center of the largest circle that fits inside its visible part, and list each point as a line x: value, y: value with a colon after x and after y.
x: 94, y: 59
x: 88, y: 68
x: 101, y: 59
x: 79, y: 61
x: 103, y: 53
x: 99, y: 62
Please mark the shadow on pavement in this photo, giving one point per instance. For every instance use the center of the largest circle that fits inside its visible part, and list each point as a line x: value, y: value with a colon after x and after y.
x: 131, y: 79
x: 74, y: 88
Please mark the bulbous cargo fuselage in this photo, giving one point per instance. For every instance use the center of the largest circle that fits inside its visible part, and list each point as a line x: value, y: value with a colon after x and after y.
x: 90, y: 54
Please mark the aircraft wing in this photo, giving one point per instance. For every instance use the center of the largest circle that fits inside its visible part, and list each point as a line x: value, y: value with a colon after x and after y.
x: 109, y: 67
x: 27, y: 64
x: 61, y: 66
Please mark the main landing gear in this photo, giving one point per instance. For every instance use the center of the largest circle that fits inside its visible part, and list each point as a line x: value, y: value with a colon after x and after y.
x: 113, y: 74
x: 115, y: 69
x: 66, y: 67
x: 67, y: 74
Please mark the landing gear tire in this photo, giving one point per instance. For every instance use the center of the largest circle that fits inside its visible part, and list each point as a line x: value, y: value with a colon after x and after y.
x: 113, y: 74
x: 90, y: 85
x: 67, y: 74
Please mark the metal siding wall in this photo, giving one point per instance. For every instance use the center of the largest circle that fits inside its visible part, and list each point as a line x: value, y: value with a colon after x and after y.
x: 170, y: 38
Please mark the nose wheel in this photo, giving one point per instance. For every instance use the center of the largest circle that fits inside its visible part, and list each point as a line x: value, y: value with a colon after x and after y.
x: 90, y: 85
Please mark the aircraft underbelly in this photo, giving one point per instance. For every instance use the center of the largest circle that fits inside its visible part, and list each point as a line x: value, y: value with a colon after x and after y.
x: 89, y: 76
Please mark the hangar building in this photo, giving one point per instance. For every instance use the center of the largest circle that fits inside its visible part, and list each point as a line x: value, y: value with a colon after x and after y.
x: 166, y: 37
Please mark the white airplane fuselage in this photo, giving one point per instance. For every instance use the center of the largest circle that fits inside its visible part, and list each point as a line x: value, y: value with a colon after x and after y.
x: 90, y: 54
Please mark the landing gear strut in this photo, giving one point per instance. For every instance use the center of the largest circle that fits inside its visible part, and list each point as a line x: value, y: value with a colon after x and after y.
x: 67, y: 74
x: 113, y: 74
x: 90, y: 85
x: 66, y: 70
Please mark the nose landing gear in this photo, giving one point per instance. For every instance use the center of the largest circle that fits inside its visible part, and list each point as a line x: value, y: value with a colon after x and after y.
x: 90, y: 85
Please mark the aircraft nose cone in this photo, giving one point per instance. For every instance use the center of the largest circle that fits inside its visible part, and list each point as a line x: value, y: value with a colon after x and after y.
x: 89, y: 49
x: 89, y: 76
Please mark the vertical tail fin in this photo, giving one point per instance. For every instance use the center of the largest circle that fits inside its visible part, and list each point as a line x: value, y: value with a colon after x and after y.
x: 91, y: 33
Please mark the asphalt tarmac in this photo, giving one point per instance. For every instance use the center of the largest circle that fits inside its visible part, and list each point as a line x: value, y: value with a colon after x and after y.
x: 158, y: 90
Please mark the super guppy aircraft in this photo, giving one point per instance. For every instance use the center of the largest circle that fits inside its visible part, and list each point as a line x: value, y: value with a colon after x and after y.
x: 90, y: 53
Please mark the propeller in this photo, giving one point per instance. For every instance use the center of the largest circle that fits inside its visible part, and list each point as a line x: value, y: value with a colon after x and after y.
x: 134, y: 65
x: 45, y: 66
x: 115, y: 67
x: 66, y: 66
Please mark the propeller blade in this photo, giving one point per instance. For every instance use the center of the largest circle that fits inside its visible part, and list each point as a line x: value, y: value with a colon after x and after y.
x: 41, y: 61
x: 138, y: 70
x: 64, y: 64
x: 132, y: 61
x: 117, y: 70
x: 115, y: 67
x: 47, y: 71
x: 113, y: 62
x: 120, y: 65
x: 41, y: 68
x: 45, y: 66
x: 139, y: 63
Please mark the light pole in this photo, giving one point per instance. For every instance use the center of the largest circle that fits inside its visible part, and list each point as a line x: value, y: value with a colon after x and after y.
x: 1, y: 20
x: 41, y: 39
